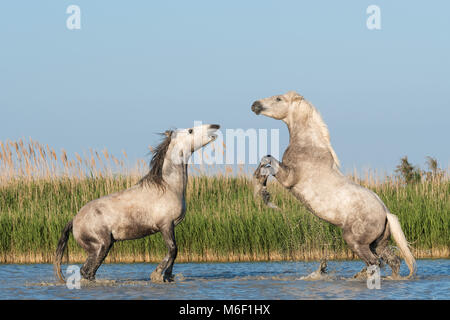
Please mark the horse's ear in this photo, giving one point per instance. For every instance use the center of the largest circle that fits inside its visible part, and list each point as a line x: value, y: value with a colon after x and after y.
x: 294, y: 96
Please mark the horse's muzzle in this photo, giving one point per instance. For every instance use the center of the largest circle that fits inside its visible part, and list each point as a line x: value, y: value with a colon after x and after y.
x: 257, y: 107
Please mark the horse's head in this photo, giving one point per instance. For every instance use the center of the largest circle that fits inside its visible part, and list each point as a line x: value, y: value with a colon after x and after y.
x: 277, y: 107
x: 296, y: 112
x: 186, y: 141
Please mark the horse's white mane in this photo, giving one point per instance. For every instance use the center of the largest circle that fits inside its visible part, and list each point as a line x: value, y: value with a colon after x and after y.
x: 314, y: 115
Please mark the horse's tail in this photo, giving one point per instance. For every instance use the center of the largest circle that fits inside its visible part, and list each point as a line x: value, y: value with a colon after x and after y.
x: 402, y: 243
x: 62, y: 243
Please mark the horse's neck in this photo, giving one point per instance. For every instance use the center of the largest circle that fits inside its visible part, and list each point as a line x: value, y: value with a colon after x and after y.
x: 175, y: 176
x: 305, y: 137
x: 306, y: 144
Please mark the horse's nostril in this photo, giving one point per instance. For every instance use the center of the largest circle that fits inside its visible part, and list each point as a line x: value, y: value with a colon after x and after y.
x: 214, y: 126
x: 257, y: 107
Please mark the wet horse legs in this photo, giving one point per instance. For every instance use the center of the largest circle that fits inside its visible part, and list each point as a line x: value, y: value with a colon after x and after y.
x: 363, y: 251
x: 167, y: 264
x: 96, y: 254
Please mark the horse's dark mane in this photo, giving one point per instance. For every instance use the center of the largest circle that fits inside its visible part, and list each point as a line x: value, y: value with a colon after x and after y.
x: 156, y: 164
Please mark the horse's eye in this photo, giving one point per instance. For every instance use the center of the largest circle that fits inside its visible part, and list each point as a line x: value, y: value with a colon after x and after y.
x: 190, y: 131
x: 278, y: 99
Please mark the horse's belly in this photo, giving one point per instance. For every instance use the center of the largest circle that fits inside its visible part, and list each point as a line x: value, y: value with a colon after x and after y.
x: 133, y: 231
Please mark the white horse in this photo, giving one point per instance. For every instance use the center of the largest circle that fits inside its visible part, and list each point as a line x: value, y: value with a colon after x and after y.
x: 310, y: 170
x: 155, y: 204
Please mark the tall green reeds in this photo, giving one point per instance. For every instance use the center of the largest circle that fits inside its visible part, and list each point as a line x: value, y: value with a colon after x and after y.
x: 41, y: 191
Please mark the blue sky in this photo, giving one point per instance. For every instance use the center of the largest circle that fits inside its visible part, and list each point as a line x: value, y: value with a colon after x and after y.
x: 141, y: 67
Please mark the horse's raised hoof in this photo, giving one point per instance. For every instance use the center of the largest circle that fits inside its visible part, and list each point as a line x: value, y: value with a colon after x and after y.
x: 157, y: 277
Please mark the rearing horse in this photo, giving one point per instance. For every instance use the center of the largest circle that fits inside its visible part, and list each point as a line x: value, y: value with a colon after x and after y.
x: 310, y: 171
x: 155, y: 204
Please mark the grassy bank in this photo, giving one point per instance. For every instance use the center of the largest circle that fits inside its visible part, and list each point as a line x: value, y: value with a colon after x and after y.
x: 223, y: 220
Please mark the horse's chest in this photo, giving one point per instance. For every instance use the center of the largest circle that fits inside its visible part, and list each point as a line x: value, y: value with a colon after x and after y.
x: 182, y: 213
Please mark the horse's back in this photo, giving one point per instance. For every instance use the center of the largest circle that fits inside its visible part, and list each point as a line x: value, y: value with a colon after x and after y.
x: 129, y: 214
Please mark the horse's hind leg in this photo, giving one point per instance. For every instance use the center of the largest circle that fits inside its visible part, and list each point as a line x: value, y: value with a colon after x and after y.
x: 97, y: 252
x: 87, y: 267
x: 166, y: 265
x: 99, y: 258
x: 363, y: 251
x: 383, y: 250
x: 390, y: 258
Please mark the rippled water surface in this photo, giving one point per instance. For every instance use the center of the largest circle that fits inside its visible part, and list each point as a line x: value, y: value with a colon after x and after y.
x: 260, y: 280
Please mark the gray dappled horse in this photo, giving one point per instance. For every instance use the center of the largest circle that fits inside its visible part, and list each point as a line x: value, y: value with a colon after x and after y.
x: 155, y: 204
x: 310, y: 171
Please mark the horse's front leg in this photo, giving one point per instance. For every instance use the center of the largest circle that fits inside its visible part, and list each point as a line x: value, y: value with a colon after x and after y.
x: 273, y: 167
x: 268, y: 166
x: 260, y: 177
x: 163, y: 271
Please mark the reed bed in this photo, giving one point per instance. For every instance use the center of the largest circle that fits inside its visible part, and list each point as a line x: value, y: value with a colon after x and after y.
x: 41, y: 190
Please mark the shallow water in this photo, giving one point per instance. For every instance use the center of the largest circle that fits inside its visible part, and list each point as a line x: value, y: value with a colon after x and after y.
x: 259, y: 280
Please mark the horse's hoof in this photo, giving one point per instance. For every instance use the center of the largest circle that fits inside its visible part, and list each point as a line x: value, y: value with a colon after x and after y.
x: 86, y: 282
x: 323, y: 266
x: 362, y: 275
x: 169, y: 278
x: 156, y: 277
x: 87, y: 276
x: 319, y: 274
x: 88, y: 279
x: 265, y: 160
